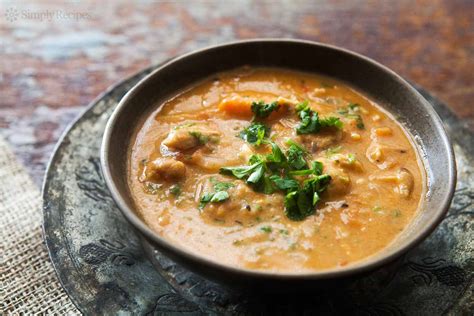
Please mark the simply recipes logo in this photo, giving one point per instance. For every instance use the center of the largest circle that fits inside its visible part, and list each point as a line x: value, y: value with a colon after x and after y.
x: 13, y: 14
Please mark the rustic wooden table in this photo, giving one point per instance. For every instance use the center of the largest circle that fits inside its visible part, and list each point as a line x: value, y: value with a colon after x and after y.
x: 57, y: 57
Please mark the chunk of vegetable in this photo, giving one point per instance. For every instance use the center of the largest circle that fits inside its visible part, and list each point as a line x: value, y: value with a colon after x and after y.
x: 246, y: 108
x: 405, y: 182
x: 236, y: 106
x: 189, y: 137
x: 165, y: 168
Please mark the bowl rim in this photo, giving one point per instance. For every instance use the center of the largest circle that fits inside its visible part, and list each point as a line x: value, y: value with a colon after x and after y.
x: 361, y: 266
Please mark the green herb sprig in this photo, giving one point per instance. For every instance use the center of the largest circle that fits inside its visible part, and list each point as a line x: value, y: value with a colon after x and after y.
x: 275, y: 171
x: 219, y: 195
x: 311, y: 123
x: 262, y: 110
x: 255, y: 133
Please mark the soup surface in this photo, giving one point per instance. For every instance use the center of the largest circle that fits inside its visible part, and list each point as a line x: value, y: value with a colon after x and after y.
x: 271, y: 169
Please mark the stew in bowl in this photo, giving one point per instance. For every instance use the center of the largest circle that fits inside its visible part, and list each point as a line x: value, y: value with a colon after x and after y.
x: 272, y: 169
x: 277, y: 160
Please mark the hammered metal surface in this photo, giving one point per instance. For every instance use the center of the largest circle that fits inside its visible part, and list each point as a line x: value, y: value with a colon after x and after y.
x: 101, y: 264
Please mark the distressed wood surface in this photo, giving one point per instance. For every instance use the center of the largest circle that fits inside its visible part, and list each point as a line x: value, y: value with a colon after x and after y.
x: 56, y: 57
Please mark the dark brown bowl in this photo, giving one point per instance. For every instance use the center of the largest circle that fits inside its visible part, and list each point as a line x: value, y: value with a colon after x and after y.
x: 380, y: 83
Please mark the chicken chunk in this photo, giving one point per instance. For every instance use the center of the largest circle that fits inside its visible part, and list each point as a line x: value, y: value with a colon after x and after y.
x: 165, y: 169
x: 402, y: 179
x: 190, y: 137
x: 405, y: 182
x: 340, y: 180
x: 347, y: 162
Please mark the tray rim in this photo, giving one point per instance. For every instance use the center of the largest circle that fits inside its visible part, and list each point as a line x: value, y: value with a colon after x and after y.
x: 462, y: 133
x: 53, y: 158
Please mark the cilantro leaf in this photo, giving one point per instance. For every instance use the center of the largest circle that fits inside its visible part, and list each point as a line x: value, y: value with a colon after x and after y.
x: 297, y: 206
x: 266, y: 173
x: 265, y: 185
x: 253, y: 174
x: 301, y: 203
x: 285, y: 184
x: 214, y: 197
x: 220, y: 194
x: 257, y: 174
x: 317, y: 169
x: 330, y: 122
x: 254, y: 133
x: 296, y: 155
x: 277, y: 157
x: 310, y: 121
x: 240, y: 172
x: 261, y: 109
x: 223, y: 186
x: 175, y: 190
x: 317, y: 184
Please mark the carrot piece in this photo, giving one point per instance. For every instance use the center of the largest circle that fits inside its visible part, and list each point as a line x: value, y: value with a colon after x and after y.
x: 242, y: 107
x: 237, y: 106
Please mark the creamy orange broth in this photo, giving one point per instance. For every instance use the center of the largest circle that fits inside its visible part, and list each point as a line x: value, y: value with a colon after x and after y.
x: 376, y: 187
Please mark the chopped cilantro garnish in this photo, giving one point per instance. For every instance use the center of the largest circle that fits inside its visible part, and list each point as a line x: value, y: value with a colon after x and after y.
x: 273, y: 171
x: 253, y: 174
x: 301, y: 203
x: 317, y: 169
x: 215, y: 197
x: 331, y: 122
x: 352, y: 111
x: 241, y: 172
x: 277, y: 157
x: 220, y: 194
x: 266, y: 229
x: 296, y: 155
x: 261, y: 109
x: 254, y: 133
x: 223, y: 186
x: 175, y: 190
x: 310, y: 121
x: 203, y: 139
x: 284, y: 184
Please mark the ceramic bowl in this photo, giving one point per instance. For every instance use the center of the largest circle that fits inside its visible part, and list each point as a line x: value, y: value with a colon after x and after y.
x: 375, y: 80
